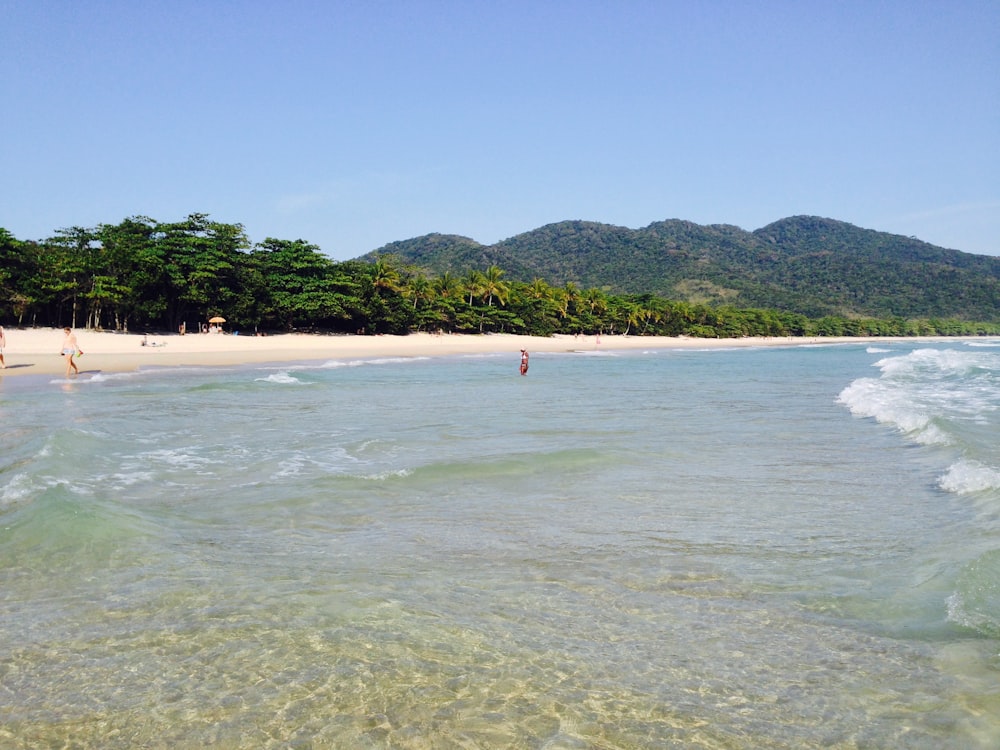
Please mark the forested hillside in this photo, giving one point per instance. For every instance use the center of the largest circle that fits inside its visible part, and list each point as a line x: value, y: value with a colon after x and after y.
x: 801, y: 277
x: 802, y: 264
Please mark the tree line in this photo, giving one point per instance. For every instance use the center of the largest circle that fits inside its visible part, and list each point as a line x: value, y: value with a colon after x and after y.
x: 145, y: 275
x: 803, y: 264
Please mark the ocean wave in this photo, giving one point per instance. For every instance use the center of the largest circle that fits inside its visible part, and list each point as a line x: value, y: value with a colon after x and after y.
x: 391, y: 474
x: 335, y: 363
x: 876, y: 350
x: 282, y: 378
x: 109, y: 377
x: 179, y: 458
x: 965, y: 477
x: 928, y: 393
x: 937, y: 363
x: 94, y: 377
x: 333, y: 460
x: 869, y: 397
x: 991, y: 344
x: 976, y: 601
x: 16, y: 490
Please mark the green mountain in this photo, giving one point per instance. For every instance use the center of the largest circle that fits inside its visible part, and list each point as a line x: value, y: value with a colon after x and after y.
x: 803, y: 264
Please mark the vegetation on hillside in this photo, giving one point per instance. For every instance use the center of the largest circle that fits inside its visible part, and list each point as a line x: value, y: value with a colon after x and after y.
x: 804, y: 264
x: 141, y: 274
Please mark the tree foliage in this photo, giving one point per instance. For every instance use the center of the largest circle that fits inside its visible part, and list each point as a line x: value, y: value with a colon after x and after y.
x: 141, y: 274
x: 803, y: 264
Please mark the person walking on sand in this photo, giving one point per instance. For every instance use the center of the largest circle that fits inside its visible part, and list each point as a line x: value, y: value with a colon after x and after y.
x: 70, y: 349
x: 524, y: 361
x: 3, y: 343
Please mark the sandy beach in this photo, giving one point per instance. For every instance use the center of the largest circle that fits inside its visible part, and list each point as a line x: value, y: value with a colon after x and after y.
x: 35, y: 351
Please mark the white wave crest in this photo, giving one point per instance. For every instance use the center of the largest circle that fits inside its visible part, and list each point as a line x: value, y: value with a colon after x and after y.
x: 869, y: 397
x: 334, y: 363
x: 937, y: 363
x: 108, y: 377
x: 928, y: 393
x: 965, y: 477
x: 283, y: 378
x: 17, y: 488
x: 385, y: 475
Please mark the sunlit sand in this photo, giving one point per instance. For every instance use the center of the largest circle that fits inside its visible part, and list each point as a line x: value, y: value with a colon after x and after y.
x: 36, y: 351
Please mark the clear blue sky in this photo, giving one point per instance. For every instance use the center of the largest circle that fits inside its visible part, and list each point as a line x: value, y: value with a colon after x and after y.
x: 353, y: 124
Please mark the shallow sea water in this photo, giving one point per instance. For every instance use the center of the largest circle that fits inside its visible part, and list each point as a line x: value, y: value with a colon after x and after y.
x: 782, y: 547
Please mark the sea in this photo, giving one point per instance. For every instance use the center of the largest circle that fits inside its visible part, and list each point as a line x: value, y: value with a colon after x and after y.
x: 765, y: 547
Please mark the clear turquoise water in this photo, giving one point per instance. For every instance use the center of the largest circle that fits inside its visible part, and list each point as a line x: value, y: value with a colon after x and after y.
x: 782, y: 548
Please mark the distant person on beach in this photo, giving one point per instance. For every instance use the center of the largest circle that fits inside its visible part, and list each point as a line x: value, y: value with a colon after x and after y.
x: 70, y: 349
x: 3, y: 343
x: 524, y: 361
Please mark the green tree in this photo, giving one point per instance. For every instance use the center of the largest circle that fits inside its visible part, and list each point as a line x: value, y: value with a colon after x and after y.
x: 201, y: 259
x: 297, y: 285
x: 475, y: 284
x: 70, y: 259
x: 494, y: 286
x: 131, y: 282
x: 386, y: 276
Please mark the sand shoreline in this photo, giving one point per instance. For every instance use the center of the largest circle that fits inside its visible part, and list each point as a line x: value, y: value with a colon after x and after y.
x: 36, y: 351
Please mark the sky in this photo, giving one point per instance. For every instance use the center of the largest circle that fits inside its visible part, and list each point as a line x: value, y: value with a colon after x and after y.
x: 352, y: 124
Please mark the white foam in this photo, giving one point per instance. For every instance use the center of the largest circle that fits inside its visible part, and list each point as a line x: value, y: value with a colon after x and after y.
x: 938, y: 363
x: 290, y: 467
x: 107, y: 377
x: 16, y: 489
x: 923, y: 392
x: 967, y: 614
x: 95, y: 377
x: 178, y: 458
x: 989, y: 344
x: 282, y: 378
x: 869, y: 397
x: 126, y: 480
x: 334, y: 363
x: 393, y: 474
x: 965, y: 477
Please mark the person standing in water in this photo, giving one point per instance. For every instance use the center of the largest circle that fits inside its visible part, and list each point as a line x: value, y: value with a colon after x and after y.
x: 524, y: 361
x: 70, y: 349
x: 3, y: 343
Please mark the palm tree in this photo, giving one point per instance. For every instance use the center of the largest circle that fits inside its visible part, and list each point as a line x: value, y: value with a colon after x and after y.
x: 649, y: 315
x: 474, y: 283
x: 561, y: 298
x: 539, y: 289
x: 385, y: 276
x: 419, y: 289
x: 633, y: 314
x: 494, y: 287
x: 447, y: 286
x: 594, y: 298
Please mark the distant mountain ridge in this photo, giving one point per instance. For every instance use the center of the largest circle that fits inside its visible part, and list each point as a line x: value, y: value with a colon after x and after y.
x: 805, y: 264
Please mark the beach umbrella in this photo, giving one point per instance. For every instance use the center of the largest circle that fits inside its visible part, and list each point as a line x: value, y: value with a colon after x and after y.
x: 217, y: 319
